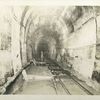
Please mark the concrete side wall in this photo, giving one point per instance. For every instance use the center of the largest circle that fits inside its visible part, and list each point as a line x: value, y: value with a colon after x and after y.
x: 15, y: 47
x: 82, y: 49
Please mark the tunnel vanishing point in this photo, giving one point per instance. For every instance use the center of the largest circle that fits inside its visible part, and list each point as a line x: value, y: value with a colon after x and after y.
x: 67, y: 35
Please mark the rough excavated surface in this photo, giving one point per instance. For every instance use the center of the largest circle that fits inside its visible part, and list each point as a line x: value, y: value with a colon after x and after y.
x: 97, y: 62
x: 5, y: 45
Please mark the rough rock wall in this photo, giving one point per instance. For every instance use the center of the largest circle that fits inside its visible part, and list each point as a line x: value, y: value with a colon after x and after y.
x: 9, y: 43
x: 5, y: 44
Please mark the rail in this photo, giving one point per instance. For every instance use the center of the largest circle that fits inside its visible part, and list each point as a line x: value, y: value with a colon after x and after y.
x: 75, y: 80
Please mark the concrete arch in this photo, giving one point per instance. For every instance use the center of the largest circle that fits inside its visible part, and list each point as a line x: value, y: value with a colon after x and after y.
x: 26, y: 21
x: 61, y: 27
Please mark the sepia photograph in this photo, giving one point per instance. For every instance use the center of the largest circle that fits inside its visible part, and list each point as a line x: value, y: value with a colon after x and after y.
x: 49, y: 50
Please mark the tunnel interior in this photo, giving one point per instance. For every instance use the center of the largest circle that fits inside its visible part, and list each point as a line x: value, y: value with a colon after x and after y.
x: 48, y: 37
x: 51, y: 35
x: 43, y: 50
x: 48, y: 44
x: 66, y: 35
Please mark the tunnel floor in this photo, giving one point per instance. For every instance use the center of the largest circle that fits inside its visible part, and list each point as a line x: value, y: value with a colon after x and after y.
x: 41, y: 82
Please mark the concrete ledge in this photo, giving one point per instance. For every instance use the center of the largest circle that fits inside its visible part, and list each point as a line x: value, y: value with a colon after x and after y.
x: 12, y: 79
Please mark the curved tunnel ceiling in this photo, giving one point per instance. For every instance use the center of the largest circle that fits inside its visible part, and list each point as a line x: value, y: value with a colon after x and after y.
x: 51, y: 25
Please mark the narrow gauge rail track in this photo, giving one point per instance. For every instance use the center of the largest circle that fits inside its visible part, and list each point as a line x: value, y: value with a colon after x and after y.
x: 57, y: 71
x: 56, y: 79
x: 62, y: 84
